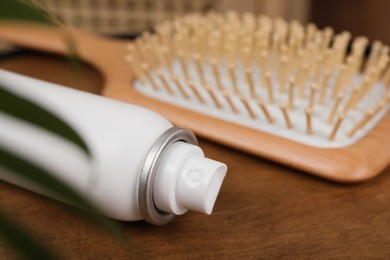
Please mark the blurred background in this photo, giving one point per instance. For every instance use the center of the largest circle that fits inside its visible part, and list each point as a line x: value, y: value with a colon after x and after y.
x: 127, y: 18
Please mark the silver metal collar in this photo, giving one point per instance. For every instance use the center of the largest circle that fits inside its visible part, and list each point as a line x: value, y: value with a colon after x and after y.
x: 147, y: 208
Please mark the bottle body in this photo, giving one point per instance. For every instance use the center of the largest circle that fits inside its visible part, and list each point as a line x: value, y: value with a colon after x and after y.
x: 118, y: 135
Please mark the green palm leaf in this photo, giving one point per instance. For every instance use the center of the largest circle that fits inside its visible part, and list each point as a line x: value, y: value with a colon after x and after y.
x: 38, y: 176
x: 20, y: 167
x: 17, y: 238
x: 32, y: 113
x: 22, y: 10
x: 26, y: 110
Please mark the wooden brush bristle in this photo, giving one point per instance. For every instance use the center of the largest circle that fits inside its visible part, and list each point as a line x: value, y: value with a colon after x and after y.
x: 247, y: 69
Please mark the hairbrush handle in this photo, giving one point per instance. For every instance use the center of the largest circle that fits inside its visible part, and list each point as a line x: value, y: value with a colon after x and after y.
x: 33, y: 36
x: 106, y: 55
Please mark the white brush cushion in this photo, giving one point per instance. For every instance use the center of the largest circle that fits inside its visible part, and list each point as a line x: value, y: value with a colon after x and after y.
x: 321, y: 129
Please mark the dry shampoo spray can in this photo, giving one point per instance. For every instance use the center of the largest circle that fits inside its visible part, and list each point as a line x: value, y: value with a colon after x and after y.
x: 141, y: 166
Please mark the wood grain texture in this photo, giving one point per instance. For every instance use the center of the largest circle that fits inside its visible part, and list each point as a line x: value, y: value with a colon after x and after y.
x: 264, y: 210
x: 355, y: 163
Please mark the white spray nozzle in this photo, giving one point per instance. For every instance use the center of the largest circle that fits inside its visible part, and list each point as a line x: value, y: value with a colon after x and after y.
x: 199, y: 184
x: 186, y: 180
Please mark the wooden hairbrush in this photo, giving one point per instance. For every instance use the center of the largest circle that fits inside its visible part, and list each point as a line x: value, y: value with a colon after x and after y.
x: 294, y: 94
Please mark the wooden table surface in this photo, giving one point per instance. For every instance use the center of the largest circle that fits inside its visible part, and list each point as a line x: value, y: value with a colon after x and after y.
x: 264, y: 210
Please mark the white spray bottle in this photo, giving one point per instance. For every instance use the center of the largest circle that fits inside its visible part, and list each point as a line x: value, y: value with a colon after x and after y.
x: 142, y: 167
